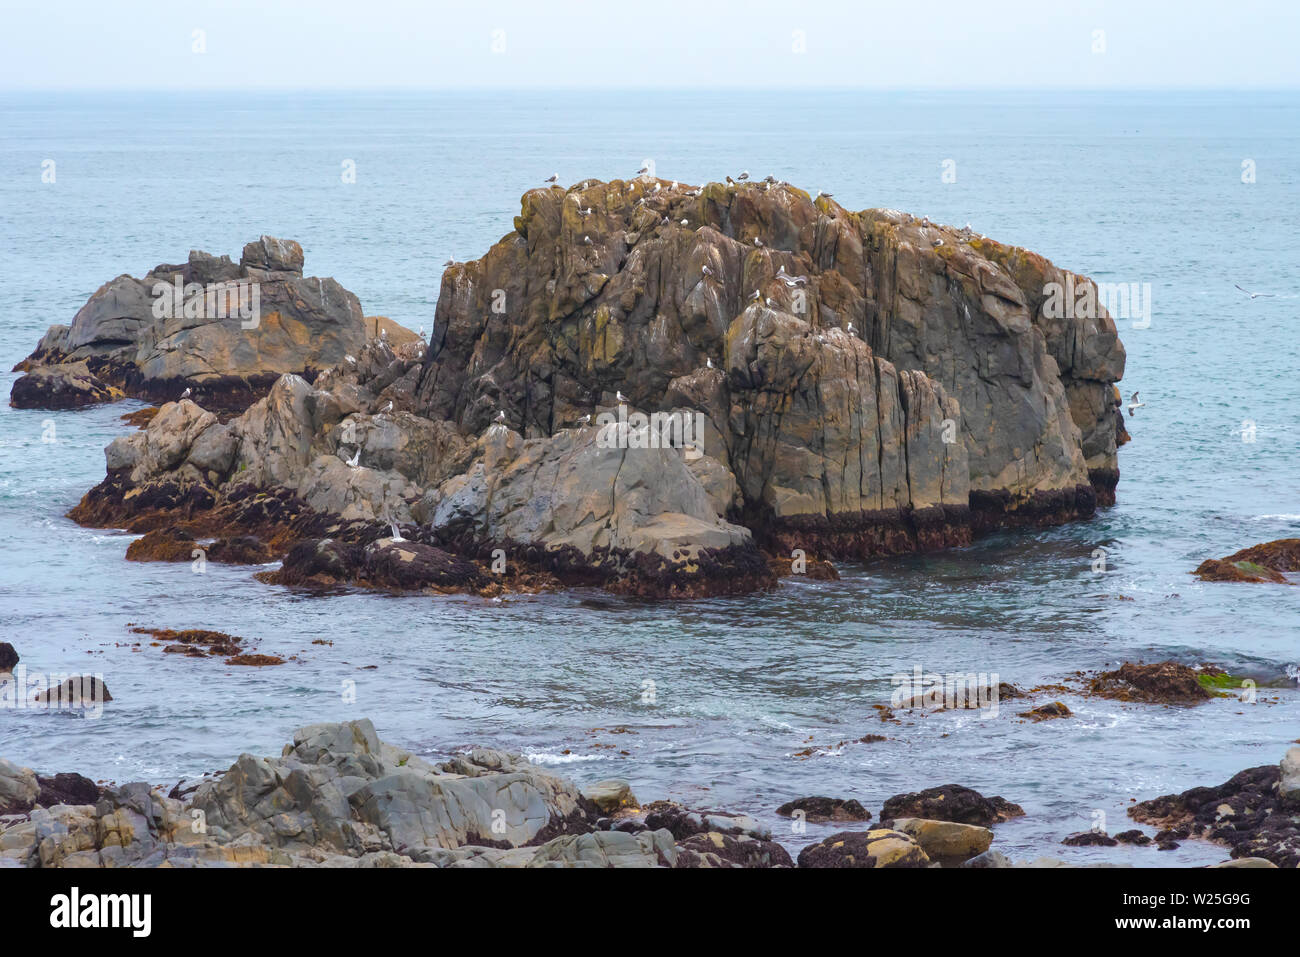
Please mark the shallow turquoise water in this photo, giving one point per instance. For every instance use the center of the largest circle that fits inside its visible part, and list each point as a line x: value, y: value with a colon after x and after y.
x: 1135, y: 188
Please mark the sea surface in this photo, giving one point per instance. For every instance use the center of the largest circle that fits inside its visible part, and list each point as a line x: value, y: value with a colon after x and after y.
x: 1139, y: 187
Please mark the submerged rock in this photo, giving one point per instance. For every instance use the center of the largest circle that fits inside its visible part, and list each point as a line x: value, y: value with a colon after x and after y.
x: 1259, y: 563
x: 1165, y: 682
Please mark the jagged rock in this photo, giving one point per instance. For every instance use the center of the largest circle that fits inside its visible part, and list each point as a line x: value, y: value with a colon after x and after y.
x: 1045, y: 712
x: 950, y: 802
x: 819, y: 809
x: 712, y: 849
x: 232, y: 331
x: 1259, y: 563
x: 882, y: 393
x: 1089, y: 839
x: 68, y: 386
x: 18, y: 788
x: 877, y: 848
x: 1263, y: 822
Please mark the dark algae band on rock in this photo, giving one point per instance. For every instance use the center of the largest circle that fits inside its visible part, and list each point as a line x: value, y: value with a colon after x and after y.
x: 672, y: 395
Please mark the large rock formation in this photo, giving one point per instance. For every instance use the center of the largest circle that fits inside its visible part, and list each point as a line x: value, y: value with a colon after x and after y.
x: 224, y: 330
x: 643, y: 386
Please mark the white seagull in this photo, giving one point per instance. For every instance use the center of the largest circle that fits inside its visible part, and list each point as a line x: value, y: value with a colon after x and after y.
x: 501, y: 416
x: 1134, y: 404
x: 744, y: 174
x: 355, y: 461
x: 586, y: 241
x: 552, y: 179
x: 585, y: 420
x: 755, y: 297
x: 1256, y: 295
x: 351, y: 359
x: 619, y: 396
x: 758, y: 242
x: 708, y: 363
x: 389, y: 407
x: 187, y: 393
x: 851, y: 329
x: 683, y: 222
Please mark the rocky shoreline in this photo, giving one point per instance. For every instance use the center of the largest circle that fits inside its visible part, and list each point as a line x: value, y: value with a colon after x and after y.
x: 665, y: 391
x: 338, y: 796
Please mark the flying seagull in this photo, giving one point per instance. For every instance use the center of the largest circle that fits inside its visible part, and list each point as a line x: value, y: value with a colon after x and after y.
x: 643, y: 170
x: 1256, y: 295
x: 1134, y: 404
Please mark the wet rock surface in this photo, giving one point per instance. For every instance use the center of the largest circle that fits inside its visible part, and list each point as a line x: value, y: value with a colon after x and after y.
x: 1256, y: 813
x: 1259, y: 563
x: 950, y: 802
x: 1164, y: 682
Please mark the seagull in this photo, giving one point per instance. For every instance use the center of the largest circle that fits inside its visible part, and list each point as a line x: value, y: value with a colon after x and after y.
x: 851, y: 329
x: 389, y: 407
x: 673, y: 185
x: 355, y: 461
x: 619, y: 396
x: 769, y: 301
x: 383, y: 333
x: 422, y: 332
x: 187, y: 393
x: 683, y: 222
x: 706, y: 270
x: 755, y: 297
x: 769, y: 180
x: 730, y: 181
x: 351, y: 359
x: 501, y: 416
x: 643, y: 170
x: 1134, y: 404
x: 586, y: 241
x: 938, y: 242
x: 448, y: 264
x: 552, y: 179
x: 708, y: 363
x: 585, y: 420
x: 658, y: 186
x: 744, y: 175
x: 758, y: 242
x: 1256, y: 295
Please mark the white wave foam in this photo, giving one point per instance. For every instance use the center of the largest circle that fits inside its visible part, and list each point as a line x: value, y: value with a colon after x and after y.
x: 546, y: 757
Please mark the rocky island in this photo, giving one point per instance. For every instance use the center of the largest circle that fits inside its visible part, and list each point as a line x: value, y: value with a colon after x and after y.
x: 661, y: 390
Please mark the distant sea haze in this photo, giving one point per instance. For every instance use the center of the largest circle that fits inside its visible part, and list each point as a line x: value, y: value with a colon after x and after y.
x: 757, y: 700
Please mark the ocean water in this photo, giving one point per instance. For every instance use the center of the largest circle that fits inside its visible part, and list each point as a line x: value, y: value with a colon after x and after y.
x: 1140, y: 187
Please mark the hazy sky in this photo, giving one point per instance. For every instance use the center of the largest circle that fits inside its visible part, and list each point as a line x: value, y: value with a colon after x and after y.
x: 332, y: 44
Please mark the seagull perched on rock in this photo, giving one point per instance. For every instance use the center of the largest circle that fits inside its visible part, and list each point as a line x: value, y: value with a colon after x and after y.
x: 355, y: 461
x: 706, y: 270
x: 389, y: 407
x: 1134, y: 404
x: 586, y: 241
x: 851, y: 329
x: 744, y: 175
x: 501, y: 416
x: 552, y: 179
x: 187, y: 393
x: 585, y: 420
x: 708, y: 362
x: 683, y: 222
x: 758, y: 242
x: 619, y: 396
x: 1256, y: 295
x: 643, y: 170
x: 448, y: 264
x: 755, y: 297
x: 769, y: 302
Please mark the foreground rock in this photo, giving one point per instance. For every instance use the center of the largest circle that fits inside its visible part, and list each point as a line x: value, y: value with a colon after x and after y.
x: 1259, y: 563
x: 658, y: 390
x: 1256, y: 813
x: 231, y: 332
x: 877, y: 848
x: 340, y: 797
